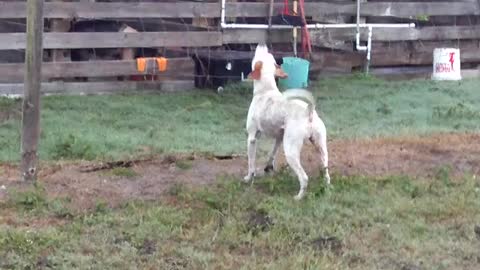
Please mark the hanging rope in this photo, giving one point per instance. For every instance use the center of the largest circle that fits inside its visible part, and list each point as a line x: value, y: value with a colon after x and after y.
x: 306, y: 42
x: 285, y: 7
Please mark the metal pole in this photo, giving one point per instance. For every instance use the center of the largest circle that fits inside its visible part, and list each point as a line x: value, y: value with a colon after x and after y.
x: 270, y: 14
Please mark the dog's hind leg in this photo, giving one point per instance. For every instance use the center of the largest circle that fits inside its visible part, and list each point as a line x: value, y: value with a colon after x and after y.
x: 319, y: 140
x: 271, y: 159
x: 292, y: 145
x: 252, y: 149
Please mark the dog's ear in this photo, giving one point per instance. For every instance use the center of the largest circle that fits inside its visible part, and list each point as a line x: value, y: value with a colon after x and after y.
x: 256, y: 72
x: 279, y: 72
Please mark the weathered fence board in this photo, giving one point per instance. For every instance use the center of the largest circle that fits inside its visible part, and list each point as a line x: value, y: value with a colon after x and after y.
x: 427, y: 33
x: 368, y: 9
x: 176, y: 68
x: 101, y: 87
x: 14, y: 41
x: 92, y: 10
x: 394, y: 55
x: 10, y: 10
x: 421, y: 53
x: 417, y: 72
x: 399, y: 34
x: 252, y: 36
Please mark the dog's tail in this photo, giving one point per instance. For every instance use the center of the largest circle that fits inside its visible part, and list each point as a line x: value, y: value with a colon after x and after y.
x: 303, y: 95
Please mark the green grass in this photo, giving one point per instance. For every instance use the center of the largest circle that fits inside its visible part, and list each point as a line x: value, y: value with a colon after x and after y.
x: 367, y: 107
x: 359, y: 223
x: 122, y: 172
x: 114, y: 127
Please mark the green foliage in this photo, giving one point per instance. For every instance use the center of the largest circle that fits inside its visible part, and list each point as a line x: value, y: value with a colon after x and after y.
x: 33, y: 198
x: 72, y: 148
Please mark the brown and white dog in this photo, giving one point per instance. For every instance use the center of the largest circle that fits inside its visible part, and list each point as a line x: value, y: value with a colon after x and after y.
x: 289, y: 118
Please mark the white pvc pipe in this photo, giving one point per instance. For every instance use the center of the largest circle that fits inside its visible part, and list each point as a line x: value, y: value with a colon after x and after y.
x: 222, y: 14
x: 225, y: 25
x: 357, y: 41
x: 369, y: 49
x: 357, y: 36
x: 317, y: 26
x: 358, y: 21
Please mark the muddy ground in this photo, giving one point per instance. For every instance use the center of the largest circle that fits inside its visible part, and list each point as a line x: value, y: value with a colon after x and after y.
x: 418, y: 157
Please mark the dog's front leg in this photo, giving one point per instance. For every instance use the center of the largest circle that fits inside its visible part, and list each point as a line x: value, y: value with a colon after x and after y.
x: 252, y: 150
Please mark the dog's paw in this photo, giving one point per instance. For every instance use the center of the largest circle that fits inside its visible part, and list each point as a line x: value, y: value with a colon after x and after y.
x: 248, y: 178
x: 327, y: 180
x: 301, y: 194
x: 298, y: 197
x: 326, y: 176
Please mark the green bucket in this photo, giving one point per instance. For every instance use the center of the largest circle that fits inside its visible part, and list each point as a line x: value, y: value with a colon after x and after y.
x: 297, y: 70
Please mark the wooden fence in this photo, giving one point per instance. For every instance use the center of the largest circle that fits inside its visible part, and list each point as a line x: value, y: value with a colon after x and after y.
x: 177, y: 28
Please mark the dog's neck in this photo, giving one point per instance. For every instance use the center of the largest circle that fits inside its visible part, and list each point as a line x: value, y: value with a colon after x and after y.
x: 265, y: 84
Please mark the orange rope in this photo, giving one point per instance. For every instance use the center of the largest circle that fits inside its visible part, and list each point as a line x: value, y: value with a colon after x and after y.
x: 306, y: 41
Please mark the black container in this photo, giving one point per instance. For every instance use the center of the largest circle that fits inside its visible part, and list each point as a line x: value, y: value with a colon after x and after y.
x: 217, y: 68
x: 283, y: 19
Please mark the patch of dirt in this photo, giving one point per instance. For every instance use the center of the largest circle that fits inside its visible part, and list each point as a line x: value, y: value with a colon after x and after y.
x: 413, y: 156
x: 417, y: 157
x: 330, y: 243
x: 476, y: 229
x: 148, y: 247
x: 43, y: 262
x: 175, y: 263
x: 410, y: 266
x: 259, y: 220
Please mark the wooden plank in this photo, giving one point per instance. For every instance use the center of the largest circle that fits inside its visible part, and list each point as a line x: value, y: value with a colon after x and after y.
x: 399, y: 34
x: 332, y: 60
x: 416, y: 58
x: 421, y: 53
x: 16, y: 41
x: 60, y: 25
x: 394, y: 54
x: 403, y: 73
x: 177, y: 68
x: 93, y: 88
x: 427, y: 33
x: 254, y: 36
x: 115, y: 10
x: 390, y: 9
x: 471, y: 73
x: 9, y: 10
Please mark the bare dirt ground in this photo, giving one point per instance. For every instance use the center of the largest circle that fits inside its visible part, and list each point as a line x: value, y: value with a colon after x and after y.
x: 418, y: 157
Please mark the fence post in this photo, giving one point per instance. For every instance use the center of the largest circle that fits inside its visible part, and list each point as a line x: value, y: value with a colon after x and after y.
x: 31, y: 100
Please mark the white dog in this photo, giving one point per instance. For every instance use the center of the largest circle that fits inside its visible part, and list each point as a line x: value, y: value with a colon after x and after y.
x: 288, y: 117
